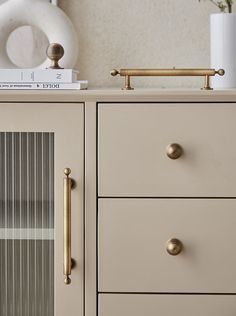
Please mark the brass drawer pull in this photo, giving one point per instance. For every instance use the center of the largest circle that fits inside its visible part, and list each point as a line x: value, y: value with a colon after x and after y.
x: 68, y: 261
x: 174, y: 246
x: 174, y: 151
x: 127, y: 73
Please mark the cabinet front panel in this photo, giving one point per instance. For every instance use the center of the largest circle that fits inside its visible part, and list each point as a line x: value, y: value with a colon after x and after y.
x: 37, y: 142
x: 134, y: 235
x: 166, y: 305
x: 132, y: 150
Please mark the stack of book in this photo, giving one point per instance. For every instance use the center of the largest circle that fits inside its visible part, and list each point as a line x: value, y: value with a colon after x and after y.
x: 41, y: 79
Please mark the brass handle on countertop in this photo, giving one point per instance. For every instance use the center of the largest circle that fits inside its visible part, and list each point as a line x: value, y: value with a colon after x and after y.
x: 207, y: 73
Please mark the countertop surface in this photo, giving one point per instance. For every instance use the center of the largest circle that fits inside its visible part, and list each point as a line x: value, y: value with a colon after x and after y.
x: 118, y: 95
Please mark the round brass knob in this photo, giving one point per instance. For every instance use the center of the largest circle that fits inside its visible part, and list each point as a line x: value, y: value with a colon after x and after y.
x: 174, y: 151
x: 174, y: 246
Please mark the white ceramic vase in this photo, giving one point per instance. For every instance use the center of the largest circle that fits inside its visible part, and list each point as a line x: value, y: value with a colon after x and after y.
x: 48, y: 18
x: 223, y: 49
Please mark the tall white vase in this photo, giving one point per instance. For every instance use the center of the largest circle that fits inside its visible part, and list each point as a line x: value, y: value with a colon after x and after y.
x: 223, y: 49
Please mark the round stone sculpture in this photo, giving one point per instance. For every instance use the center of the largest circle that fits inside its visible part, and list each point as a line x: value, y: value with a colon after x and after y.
x: 48, y: 18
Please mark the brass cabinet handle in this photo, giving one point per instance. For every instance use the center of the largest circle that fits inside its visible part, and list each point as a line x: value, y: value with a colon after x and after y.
x: 174, y: 151
x: 206, y: 73
x: 68, y: 185
x: 174, y: 246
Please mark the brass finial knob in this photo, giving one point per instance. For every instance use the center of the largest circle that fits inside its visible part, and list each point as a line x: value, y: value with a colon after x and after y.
x: 67, y: 171
x: 174, y: 151
x: 174, y: 246
x: 55, y: 52
x: 220, y: 72
x: 67, y: 280
x: 114, y: 72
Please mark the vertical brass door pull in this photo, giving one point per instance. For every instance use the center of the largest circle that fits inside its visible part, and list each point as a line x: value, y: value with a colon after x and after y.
x: 68, y: 185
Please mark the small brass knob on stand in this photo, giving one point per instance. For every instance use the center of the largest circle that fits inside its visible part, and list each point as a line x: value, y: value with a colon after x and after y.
x: 174, y: 246
x: 55, y: 52
x: 174, y: 151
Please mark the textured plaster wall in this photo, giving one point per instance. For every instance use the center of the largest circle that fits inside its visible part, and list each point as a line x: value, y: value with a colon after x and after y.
x: 140, y: 33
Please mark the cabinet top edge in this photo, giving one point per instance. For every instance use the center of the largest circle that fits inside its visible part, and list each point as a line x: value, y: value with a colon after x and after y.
x: 117, y: 95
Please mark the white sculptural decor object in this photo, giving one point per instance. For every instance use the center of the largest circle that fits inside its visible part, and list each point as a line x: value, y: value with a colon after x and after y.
x: 47, y: 17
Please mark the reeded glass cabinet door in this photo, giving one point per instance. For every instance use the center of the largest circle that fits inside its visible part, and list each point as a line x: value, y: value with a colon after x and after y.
x: 39, y: 209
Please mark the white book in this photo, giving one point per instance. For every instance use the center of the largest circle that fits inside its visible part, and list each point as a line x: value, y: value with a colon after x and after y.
x: 38, y: 75
x: 78, y: 85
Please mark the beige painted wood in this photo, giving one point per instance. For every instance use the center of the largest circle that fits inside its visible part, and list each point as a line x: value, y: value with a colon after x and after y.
x: 132, y: 149
x: 12, y: 117
x: 118, y: 95
x: 90, y: 211
x: 66, y: 121
x: 166, y: 305
x: 132, y: 245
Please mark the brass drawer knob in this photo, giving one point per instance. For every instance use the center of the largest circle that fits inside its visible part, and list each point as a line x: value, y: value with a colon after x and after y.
x: 174, y: 246
x: 174, y: 151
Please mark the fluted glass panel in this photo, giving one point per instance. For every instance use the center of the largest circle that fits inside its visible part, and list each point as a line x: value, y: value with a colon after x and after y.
x: 26, y: 224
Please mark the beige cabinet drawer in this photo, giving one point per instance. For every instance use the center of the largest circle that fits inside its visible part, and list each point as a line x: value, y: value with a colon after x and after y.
x: 166, y: 305
x: 132, y: 245
x: 132, y: 141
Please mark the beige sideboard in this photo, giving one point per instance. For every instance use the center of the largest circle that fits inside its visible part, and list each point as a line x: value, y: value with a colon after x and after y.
x: 152, y: 209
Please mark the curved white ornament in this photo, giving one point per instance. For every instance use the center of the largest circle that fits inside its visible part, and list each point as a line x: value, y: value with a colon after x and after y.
x: 48, y: 18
